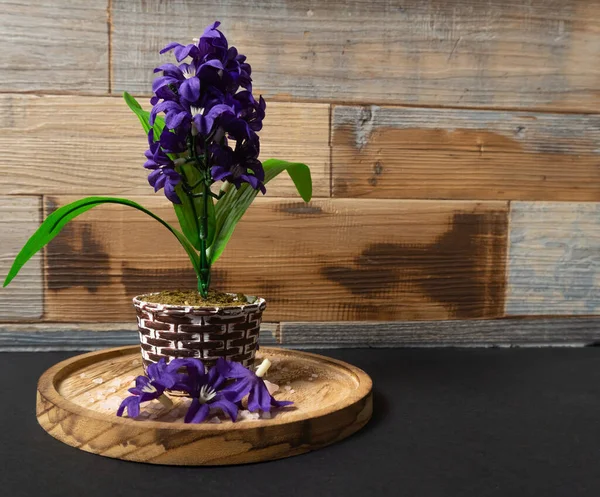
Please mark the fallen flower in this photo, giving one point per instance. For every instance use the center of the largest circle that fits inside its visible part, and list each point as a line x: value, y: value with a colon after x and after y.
x: 206, y: 390
x: 222, y: 388
x: 160, y: 377
x: 248, y: 383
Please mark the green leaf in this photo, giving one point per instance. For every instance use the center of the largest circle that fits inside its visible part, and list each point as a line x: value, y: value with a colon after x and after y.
x: 55, y: 222
x: 185, y: 216
x: 300, y: 174
x: 185, y: 210
x: 144, y: 116
x: 232, y: 206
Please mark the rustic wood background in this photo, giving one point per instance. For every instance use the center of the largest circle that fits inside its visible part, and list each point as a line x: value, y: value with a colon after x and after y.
x: 454, y: 146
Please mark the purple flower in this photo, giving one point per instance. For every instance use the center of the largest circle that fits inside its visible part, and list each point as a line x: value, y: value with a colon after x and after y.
x: 173, y: 142
x: 239, y: 166
x: 184, y: 78
x: 233, y: 127
x: 177, y: 113
x: 203, y: 106
x: 160, y: 377
x: 248, y: 383
x: 212, y: 43
x: 206, y: 390
x: 250, y: 110
x: 163, y: 173
x: 204, y: 120
x: 220, y: 388
x: 211, y: 50
x: 163, y: 93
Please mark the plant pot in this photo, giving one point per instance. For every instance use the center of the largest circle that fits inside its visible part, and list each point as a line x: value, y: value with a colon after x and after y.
x: 207, y: 333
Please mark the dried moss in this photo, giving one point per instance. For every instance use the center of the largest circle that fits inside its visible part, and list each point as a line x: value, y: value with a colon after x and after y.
x: 193, y: 298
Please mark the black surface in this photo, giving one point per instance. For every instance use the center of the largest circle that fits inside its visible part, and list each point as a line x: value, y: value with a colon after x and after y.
x: 447, y: 422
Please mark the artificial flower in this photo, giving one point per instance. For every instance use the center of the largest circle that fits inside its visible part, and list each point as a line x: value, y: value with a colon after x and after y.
x: 206, y: 390
x: 160, y: 376
x: 163, y: 173
x: 208, y: 101
x: 248, y: 383
x: 239, y: 166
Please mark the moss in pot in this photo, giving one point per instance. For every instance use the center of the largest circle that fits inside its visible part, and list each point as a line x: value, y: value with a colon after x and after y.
x: 203, y: 149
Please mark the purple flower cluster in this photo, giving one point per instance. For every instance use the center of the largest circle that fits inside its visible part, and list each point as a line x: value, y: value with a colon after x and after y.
x: 211, y: 116
x: 221, y: 388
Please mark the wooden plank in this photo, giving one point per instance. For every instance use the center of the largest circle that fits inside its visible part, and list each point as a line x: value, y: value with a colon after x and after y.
x: 554, y: 263
x: 60, y: 45
x: 387, y: 152
x: 455, y: 333
x: 539, y: 54
x: 507, y: 332
x: 46, y: 337
x: 23, y: 298
x: 95, y: 145
x: 330, y: 260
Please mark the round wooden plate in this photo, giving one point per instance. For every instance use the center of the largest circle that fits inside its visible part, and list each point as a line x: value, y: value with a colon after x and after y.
x: 77, y: 400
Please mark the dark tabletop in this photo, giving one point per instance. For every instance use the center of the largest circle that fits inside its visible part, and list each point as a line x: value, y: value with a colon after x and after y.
x: 447, y: 422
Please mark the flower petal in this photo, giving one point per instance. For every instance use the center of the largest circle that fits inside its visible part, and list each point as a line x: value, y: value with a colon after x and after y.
x: 169, y: 68
x: 133, y: 407
x: 227, y: 407
x: 280, y: 403
x: 259, y: 398
x: 170, y: 47
x: 160, y: 180
x: 219, y: 173
x: 214, y: 378
x: 249, y: 178
x: 202, y: 412
x: 161, y: 81
x: 174, y: 119
x: 192, y: 411
x: 181, y: 52
x: 141, y: 381
x: 230, y: 369
x: 237, y: 390
x: 172, y: 196
x: 190, y: 89
x: 166, y: 106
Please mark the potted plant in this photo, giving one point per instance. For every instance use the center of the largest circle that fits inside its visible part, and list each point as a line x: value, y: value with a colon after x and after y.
x: 202, y: 134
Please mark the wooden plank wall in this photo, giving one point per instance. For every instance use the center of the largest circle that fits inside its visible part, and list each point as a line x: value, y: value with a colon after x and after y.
x: 454, y: 146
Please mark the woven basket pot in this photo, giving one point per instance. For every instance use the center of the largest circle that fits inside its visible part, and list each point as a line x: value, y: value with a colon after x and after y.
x: 207, y: 333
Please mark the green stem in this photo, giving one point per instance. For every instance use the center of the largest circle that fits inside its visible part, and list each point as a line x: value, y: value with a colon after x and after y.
x: 201, y: 227
x: 204, y: 262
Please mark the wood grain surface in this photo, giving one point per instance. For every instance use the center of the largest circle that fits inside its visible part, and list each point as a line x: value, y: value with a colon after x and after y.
x: 47, y: 337
x: 61, y: 45
x: 422, y: 120
x: 507, y: 332
x: 23, y: 299
x: 95, y: 145
x: 398, y: 152
x: 554, y: 263
x: 76, y: 404
x: 534, y: 331
x: 537, y: 54
x: 329, y: 260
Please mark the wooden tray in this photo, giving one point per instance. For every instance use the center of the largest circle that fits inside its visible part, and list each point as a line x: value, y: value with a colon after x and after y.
x: 77, y: 401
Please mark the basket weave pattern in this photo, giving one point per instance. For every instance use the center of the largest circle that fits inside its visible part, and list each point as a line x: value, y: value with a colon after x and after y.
x: 207, y: 333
